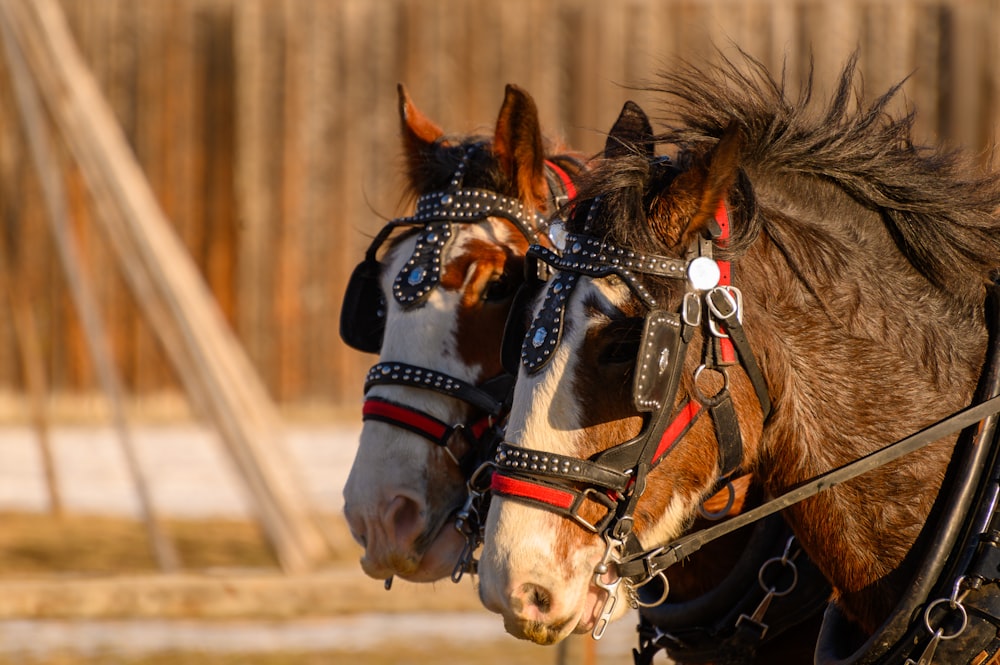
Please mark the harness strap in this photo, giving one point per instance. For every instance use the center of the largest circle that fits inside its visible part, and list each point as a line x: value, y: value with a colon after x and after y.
x: 561, y: 187
x: 547, y: 465
x: 724, y: 308
x: 726, y: 352
x: 559, y: 499
x: 491, y: 397
x: 543, y: 478
x: 658, y: 560
x: 413, y: 420
x: 727, y: 434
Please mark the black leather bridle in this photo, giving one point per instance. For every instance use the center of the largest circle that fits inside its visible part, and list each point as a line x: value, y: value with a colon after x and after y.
x: 362, y: 319
x: 615, y: 478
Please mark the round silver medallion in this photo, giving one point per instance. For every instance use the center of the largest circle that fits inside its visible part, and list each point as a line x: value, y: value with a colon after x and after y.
x: 704, y: 273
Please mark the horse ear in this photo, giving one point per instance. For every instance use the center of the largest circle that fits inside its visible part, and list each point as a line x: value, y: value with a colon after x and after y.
x: 419, y: 132
x: 631, y: 134
x: 694, y: 196
x: 517, y: 144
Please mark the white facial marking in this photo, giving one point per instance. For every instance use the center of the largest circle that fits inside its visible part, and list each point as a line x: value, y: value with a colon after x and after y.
x: 522, y: 541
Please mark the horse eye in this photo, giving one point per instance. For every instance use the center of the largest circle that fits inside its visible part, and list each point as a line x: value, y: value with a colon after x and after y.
x: 499, y: 288
x: 623, y: 345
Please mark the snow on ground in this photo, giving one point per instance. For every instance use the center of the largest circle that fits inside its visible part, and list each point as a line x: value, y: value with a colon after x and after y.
x: 188, y: 470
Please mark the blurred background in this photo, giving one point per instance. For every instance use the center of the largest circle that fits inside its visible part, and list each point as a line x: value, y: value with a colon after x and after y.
x: 268, y: 133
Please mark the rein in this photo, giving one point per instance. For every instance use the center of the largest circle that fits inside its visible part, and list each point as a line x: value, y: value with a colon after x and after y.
x: 652, y: 563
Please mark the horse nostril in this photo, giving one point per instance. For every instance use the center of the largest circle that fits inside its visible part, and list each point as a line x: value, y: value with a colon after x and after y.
x: 403, y: 519
x: 535, y: 601
x: 540, y: 598
x: 356, y: 525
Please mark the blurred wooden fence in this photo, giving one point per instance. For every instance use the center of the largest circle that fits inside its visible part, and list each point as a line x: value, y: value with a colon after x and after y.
x: 268, y: 130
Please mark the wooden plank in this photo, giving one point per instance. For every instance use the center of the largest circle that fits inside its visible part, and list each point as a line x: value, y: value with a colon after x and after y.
x: 258, y: 50
x: 222, y: 595
x: 216, y: 132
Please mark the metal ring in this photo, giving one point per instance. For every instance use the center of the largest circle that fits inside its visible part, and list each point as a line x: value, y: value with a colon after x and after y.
x: 719, y: 514
x: 471, y: 483
x: 663, y: 596
x: 715, y: 399
x: 785, y: 562
x: 954, y: 606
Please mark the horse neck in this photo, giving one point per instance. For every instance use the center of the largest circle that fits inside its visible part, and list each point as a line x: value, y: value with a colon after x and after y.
x: 859, y: 350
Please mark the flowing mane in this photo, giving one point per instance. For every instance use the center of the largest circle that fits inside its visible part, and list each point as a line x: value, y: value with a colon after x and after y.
x: 942, y: 219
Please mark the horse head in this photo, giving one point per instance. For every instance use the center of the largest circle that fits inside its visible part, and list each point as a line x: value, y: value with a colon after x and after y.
x: 739, y: 307
x: 432, y: 297
x: 578, y: 391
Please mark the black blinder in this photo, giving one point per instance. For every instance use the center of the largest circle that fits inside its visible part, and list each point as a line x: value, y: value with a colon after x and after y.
x: 519, y: 317
x: 657, y: 368
x: 362, y: 316
x: 517, y: 327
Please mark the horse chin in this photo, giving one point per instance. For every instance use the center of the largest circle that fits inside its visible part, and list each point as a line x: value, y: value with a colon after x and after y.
x: 439, y: 559
x: 552, y: 631
x: 539, y: 632
x: 430, y: 563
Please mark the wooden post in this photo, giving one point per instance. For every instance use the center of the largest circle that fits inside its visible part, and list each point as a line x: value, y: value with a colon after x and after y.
x: 211, y: 364
x: 32, y: 367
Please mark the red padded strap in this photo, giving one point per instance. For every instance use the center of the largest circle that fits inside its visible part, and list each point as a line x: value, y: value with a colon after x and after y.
x: 727, y: 351
x: 415, y: 421
x: 678, y: 427
x: 566, y: 180
x: 524, y: 489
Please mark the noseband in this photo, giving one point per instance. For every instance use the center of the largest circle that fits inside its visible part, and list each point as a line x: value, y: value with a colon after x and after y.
x: 614, y: 479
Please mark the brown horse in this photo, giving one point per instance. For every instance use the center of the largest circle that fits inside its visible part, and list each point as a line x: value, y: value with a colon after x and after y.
x: 435, y: 397
x: 846, y: 269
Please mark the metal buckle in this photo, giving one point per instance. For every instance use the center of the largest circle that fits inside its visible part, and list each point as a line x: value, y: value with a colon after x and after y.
x: 733, y: 297
x: 597, y: 496
x: 468, y: 521
x: 691, y: 309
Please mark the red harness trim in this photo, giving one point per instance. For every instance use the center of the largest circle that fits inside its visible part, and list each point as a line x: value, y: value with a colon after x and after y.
x: 727, y: 350
x: 524, y: 489
x: 478, y: 428
x: 678, y: 428
x: 403, y: 416
x: 418, y: 422
x: 566, y: 180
